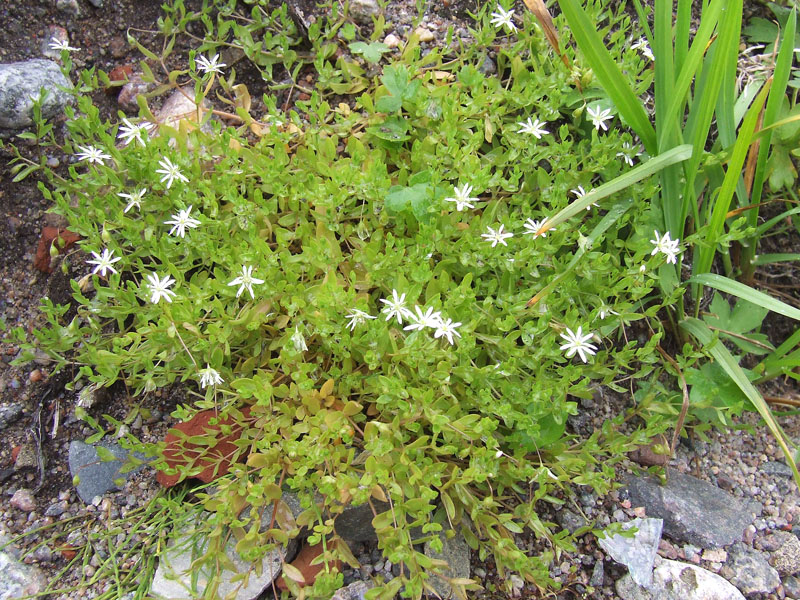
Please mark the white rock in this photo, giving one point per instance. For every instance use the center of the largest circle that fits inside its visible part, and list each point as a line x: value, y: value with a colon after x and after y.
x: 425, y: 35
x: 392, y: 40
x: 673, y: 580
x: 18, y: 580
x: 638, y: 553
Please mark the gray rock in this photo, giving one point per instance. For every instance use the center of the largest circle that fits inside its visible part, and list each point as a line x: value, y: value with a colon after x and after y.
x: 786, y: 557
x: 362, y: 11
x: 96, y: 3
x: 673, y: 580
x: 26, y: 457
x: 598, y: 575
x: 570, y: 520
x: 752, y: 574
x: 693, y: 511
x: 96, y: 477
x: 354, y: 591
x: 17, y: 579
x: 776, y: 468
x: 638, y: 553
x: 791, y: 585
x: 131, y: 90
x: 455, y: 552
x: 9, y: 413
x: 177, y: 578
x: 355, y: 522
x: 69, y: 7
x: 22, y: 81
x: 488, y: 67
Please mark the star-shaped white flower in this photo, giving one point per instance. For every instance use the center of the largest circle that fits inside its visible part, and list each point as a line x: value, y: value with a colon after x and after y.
x: 103, y: 262
x: 429, y: 318
x: 497, y: 237
x: 599, y: 117
x: 644, y: 47
x: 579, y: 192
x: 57, y: 44
x: 246, y: 281
x: 209, y: 376
x: 536, y: 228
x: 629, y: 152
x: 159, y: 288
x: 462, y: 199
x: 447, y: 329
x: 531, y: 127
x: 578, y: 342
x: 134, y: 199
x: 92, y: 154
x: 129, y: 132
x: 181, y: 221
x: 604, y: 311
x: 170, y: 172
x: 503, y: 18
x: 667, y: 246
x: 209, y: 65
x: 357, y: 317
x: 396, y: 307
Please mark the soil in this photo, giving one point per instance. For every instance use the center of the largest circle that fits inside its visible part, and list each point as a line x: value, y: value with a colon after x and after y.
x: 46, y: 425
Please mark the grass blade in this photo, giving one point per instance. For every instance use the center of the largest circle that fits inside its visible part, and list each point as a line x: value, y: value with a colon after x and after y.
x: 605, y: 69
x: 768, y: 259
x: 745, y: 292
x: 700, y: 331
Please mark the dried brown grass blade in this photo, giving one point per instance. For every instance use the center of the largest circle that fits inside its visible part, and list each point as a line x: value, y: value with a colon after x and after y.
x: 542, y: 15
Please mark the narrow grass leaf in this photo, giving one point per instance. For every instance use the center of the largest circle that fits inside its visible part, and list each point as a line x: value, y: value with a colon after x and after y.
x: 745, y: 292
x: 768, y: 259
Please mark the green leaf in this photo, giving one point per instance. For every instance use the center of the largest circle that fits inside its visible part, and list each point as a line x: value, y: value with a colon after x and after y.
x: 740, y: 290
x: 371, y: 52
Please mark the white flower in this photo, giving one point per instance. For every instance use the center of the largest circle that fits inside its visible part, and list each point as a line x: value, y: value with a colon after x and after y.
x: 429, y: 318
x: 209, y: 376
x: 181, y: 221
x: 667, y: 246
x: 534, y: 128
x: 298, y: 340
x: 578, y: 342
x: 644, y: 47
x: 396, y: 307
x: 462, y: 198
x: 604, y: 311
x: 134, y: 199
x: 579, y: 192
x: 599, y: 117
x: 503, y: 18
x: 629, y: 152
x: 92, y: 154
x: 497, y: 237
x: 57, y: 44
x: 129, y: 131
x: 357, y: 317
x: 536, y: 228
x: 209, y: 66
x: 170, y: 172
x: 103, y: 262
x: 246, y: 281
x: 159, y: 288
x: 447, y: 329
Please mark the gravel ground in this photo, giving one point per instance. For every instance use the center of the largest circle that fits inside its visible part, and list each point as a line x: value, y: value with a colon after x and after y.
x: 744, y: 461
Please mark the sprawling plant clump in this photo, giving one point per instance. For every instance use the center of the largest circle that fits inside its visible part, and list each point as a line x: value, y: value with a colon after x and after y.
x: 359, y: 275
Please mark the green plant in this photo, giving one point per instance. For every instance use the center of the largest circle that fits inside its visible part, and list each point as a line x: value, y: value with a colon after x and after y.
x: 694, y: 82
x: 359, y: 277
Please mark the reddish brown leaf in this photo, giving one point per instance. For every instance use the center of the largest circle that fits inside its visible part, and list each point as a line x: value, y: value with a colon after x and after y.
x: 65, y: 240
x: 303, y: 564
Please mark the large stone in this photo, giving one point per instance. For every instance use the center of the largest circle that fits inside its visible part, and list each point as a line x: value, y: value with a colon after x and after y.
x: 362, y: 11
x: 786, y: 556
x: 638, y: 553
x: 752, y: 572
x: 178, y: 579
x: 693, y: 511
x: 21, y: 82
x: 18, y: 580
x: 455, y: 552
x: 673, y: 580
x: 95, y: 476
x: 9, y: 413
x: 355, y: 523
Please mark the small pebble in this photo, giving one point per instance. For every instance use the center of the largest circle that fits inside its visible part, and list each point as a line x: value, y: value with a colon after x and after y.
x: 392, y: 41
x: 425, y: 35
x: 23, y: 500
